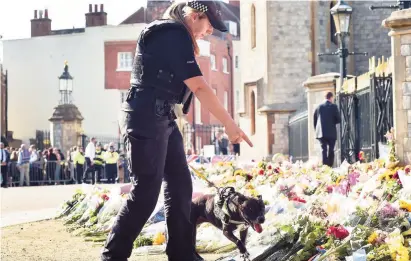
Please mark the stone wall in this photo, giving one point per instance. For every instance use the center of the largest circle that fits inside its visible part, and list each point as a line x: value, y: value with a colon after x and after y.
x: 322, y: 36
x: 280, y: 132
x: 289, y: 45
x: 406, y: 95
x: 367, y: 33
x: 253, y: 61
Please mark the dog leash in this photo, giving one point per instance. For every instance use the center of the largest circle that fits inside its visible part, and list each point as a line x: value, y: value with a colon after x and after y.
x: 200, y: 175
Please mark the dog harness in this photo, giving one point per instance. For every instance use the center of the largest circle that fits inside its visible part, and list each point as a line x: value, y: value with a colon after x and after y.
x: 221, y: 207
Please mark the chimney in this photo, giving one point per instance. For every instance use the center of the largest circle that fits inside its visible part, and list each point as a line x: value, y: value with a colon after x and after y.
x: 40, y: 26
x: 96, y: 18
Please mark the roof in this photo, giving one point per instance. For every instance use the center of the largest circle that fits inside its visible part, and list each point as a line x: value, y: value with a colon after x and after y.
x: 66, y: 112
x: 68, y: 31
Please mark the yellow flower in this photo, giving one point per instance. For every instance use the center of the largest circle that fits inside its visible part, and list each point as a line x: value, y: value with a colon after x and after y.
x: 372, y: 237
x: 238, y: 172
x: 339, y: 180
x: 159, y: 239
x: 405, y: 205
x: 220, y: 164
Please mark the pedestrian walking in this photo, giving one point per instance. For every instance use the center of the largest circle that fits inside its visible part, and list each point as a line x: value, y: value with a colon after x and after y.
x: 326, y: 118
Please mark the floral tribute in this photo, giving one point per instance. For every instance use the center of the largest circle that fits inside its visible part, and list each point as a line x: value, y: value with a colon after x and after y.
x: 359, y: 211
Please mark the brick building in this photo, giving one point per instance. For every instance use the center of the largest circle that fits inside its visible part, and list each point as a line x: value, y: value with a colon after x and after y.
x: 215, y: 60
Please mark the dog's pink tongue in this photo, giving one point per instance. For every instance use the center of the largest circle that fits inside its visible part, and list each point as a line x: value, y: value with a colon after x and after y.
x: 258, y: 228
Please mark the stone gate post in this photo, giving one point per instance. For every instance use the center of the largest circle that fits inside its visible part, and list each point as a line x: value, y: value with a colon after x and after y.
x: 316, y: 88
x: 400, y: 24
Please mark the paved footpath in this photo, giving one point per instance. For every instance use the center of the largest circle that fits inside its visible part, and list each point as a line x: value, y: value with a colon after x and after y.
x: 29, y: 204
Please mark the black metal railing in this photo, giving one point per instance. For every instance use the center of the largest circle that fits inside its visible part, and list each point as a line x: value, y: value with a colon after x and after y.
x: 45, y: 172
x: 198, y: 135
x: 298, y: 136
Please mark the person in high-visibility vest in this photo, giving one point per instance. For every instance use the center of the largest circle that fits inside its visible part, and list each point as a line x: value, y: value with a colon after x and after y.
x: 98, y: 162
x: 111, y: 157
x: 79, y: 160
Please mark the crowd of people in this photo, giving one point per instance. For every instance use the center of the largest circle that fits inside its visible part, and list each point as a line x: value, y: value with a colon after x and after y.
x: 30, y: 166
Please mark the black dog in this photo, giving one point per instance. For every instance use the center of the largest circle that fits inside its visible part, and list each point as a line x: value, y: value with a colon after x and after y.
x: 229, y: 211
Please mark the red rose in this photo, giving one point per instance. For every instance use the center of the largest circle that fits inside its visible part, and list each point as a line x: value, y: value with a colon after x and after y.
x: 338, y: 232
x: 298, y: 199
x: 407, y: 169
x: 269, y: 167
x: 277, y: 170
x: 395, y: 176
x: 249, y: 177
x: 261, y: 172
x: 330, y: 189
x: 104, y: 197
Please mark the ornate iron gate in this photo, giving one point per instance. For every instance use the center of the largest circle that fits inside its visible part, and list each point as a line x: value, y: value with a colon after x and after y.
x: 382, y: 89
x: 347, y: 127
x: 366, y: 115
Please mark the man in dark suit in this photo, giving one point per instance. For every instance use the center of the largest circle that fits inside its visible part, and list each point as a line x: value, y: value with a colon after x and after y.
x: 326, y: 117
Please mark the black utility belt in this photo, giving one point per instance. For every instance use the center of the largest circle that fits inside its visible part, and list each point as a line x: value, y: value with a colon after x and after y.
x: 159, y: 93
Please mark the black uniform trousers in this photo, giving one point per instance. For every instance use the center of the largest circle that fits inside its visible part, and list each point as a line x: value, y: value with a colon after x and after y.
x: 79, y: 172
x: 155, y: 152
x: 89, y: 169
x: 111, y: 170
x: 327, y: 146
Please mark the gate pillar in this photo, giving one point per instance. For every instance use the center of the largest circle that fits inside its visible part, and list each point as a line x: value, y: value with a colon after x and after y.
x: 400, y: 24
x: 316, y: 88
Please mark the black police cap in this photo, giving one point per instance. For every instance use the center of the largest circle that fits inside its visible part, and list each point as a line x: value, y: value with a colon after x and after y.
x: 213, y: 11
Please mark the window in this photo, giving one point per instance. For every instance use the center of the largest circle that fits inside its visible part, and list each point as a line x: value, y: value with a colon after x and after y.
x: 225, y: 65
x: 197, y: 107
x: 204, y: 47
x: 226, y: 100
x: 253, y: 27
x: 213, y: 63
x: 236, y: 61
x: 252, y: 112
x: 124, y: 61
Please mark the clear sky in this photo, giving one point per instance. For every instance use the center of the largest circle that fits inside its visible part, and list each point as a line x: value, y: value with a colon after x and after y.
x: 15, y: 15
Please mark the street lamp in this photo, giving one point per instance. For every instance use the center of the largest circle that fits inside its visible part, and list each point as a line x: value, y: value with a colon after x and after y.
x: 65, y: 85
x: 341, y: 13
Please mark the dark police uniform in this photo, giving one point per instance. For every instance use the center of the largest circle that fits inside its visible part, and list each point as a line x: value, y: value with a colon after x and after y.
x: 164, y: 59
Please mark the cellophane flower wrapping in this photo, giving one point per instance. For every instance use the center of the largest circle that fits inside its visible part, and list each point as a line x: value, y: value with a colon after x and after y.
x: 312, y: 211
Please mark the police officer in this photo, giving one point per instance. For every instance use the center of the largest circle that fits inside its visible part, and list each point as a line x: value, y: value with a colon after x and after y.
x: 165, y: 72
x: 98, y: 162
